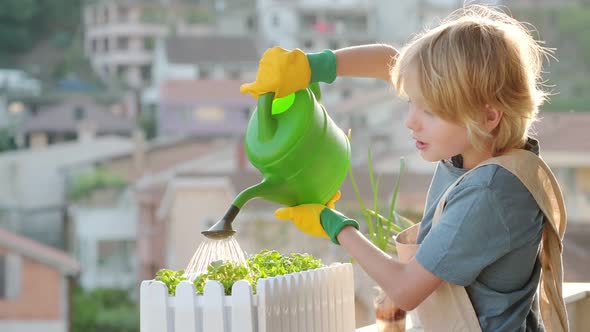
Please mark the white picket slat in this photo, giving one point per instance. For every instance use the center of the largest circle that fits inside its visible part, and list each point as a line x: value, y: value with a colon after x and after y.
x: 320, y: 323
x: 275, y: 302
x: 213, y: 307
x: 154, y: 307
x: 348, y: 298
x: 298, y: 304
x: 307, y: 299
x: 242, y: 309
x: 185, y: 310
x: 338, y: 279
x: 316, y: 301
x: 263, y: 311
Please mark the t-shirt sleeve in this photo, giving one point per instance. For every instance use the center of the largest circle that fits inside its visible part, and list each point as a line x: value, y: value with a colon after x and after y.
x: 470, y: 235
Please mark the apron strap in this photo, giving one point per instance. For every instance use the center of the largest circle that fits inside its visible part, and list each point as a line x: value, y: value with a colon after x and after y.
x: 537, y: 177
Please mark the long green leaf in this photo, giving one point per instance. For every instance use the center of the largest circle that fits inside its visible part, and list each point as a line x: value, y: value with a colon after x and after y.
x: 358, y: 196
x: 396, y: 188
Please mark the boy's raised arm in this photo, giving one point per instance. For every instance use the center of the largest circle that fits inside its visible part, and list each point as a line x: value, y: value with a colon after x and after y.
x: 374, y: 60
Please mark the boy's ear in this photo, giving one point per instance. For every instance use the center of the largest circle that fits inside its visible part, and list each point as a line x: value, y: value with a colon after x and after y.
x: 492, y: 117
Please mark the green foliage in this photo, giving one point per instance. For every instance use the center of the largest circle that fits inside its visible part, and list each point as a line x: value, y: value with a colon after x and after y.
x: 85, y: 184
x: 196, y: 16
x: 103, y: 310
x: 381, y: 228
x: 7, y: 139
x: 227, y: 273
x: 24, y: 22
x: 265, y: 264
x: 148, y: 121
x: 18, y: 10
x: 153, y: 15
x: 565, y: 104
x: 171, y: 278
x: 269, y: 263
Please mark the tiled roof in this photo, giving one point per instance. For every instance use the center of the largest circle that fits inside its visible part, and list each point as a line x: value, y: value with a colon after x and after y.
x: 57, y: 259
x: 202, y: 91
x: 211, y: 49
x: 62, y: 118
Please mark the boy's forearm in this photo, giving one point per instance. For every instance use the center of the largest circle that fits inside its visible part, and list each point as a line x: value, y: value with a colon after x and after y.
x: 406, y: 284
x: 384, y: 269
x: 372, y: 61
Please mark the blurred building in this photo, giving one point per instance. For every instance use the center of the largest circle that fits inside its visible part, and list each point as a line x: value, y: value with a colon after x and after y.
x: 34, y: 285
x: 222, y: 62
x: 120, y: 35
x: 314, y: 25
x: 15, y: 81
x: 78, y: 117
x: 205, y: 108
x: 34, y: 192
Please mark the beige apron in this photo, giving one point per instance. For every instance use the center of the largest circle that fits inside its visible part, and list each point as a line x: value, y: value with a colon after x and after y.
x: 448, y: 308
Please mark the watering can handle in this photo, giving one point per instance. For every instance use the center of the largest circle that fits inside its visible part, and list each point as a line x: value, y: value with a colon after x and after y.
x: 266, y: 124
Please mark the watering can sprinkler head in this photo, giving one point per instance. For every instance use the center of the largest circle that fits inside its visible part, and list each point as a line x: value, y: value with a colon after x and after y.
x: 223, y: 228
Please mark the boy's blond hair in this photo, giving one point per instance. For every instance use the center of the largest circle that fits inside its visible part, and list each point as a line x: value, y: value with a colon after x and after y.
x: 478, y: 56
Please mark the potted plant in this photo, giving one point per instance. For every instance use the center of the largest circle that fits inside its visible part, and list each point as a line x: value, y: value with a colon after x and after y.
x: 381, y: 231
x: 272, y: 292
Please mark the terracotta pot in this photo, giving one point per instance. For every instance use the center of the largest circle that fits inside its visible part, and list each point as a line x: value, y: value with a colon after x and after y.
x: 388, y: 316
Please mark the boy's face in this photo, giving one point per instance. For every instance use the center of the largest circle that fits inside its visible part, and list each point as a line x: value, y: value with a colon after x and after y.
x: 436, y: 139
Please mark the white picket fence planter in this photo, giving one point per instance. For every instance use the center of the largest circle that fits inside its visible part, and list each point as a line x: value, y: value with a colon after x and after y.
x: 320, y: 300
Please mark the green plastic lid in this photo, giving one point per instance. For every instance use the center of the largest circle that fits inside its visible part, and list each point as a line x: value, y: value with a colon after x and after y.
x: 280, y: 105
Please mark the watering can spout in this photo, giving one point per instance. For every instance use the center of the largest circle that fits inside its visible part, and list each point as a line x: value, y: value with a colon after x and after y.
x: 267, y: 126
x: 266, y: 189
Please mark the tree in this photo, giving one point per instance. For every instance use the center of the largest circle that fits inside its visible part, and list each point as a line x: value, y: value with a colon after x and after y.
x: 24, y: 22
x: 16, y: 29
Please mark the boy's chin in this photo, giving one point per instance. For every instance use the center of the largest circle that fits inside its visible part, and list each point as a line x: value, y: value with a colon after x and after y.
x: 429, y: 157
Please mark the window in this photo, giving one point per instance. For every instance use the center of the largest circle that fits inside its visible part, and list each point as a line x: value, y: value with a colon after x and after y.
x: 251, y: 23
x: 146, y: 73
x: 121, y: 71
x: 115, y: 255
x: 123, y: 14
x: 234, y: 74
x: 122, y: 43
x: 148, y: 43
x: 10, y: 275
x: 209, y: 115
x: 204, y: 74
x: 333, y: 45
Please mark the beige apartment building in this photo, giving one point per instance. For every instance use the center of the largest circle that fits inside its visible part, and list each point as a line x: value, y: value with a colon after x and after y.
x: 120, y: 36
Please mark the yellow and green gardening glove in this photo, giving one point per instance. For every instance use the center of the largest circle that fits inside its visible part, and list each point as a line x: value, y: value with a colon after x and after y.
x: 317, y: 219
x: 283, y: 72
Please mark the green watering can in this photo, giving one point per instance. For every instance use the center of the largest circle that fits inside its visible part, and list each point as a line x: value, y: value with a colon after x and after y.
x: 302, y: 154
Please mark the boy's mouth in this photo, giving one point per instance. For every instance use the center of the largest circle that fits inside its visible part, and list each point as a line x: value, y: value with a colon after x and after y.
x: 421, y: 145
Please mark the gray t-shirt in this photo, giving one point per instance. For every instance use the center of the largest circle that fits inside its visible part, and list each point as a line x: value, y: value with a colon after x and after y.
x: 487, y: 239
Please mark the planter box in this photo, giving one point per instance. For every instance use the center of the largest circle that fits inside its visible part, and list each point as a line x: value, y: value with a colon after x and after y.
x: 320, y: 300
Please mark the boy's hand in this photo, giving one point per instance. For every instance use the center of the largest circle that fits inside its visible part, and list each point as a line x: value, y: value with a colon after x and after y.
x: 280, y: 71
x: 283, y: 72
x: 317, y: 219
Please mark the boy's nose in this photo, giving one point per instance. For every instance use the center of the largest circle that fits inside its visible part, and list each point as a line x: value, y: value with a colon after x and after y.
x: 411, y: 121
